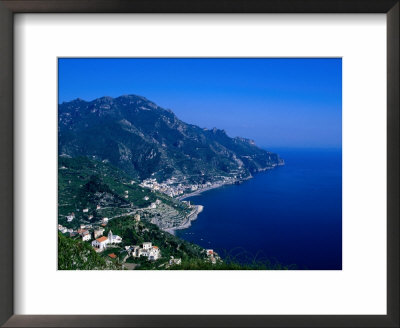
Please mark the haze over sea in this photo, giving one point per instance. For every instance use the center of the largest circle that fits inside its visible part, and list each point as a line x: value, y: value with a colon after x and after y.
x: 291, y: 214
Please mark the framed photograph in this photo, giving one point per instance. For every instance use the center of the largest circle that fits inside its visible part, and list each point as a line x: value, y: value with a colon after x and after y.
x: 200, y: 164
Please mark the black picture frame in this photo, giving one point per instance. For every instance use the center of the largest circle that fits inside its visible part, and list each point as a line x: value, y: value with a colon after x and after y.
x: 10, y: 7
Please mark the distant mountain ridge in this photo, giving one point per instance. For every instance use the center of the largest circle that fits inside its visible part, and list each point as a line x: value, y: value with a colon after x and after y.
x: 146, y: 140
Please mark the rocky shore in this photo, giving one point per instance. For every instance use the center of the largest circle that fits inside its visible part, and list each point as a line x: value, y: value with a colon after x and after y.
x: 188, y: 221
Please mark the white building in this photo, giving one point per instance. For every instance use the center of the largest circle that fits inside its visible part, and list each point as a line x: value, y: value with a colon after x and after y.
x: 147, y: 245
x: 143, y: 252
x: 86, y: 236
x: 70, y: 217
x: 85, y: 210
x: 154, y: 253
x: 114, y: 239
x: 100, y: 243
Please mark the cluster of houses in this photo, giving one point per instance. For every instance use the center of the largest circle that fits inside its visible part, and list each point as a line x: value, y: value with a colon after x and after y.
x: 100, y: 242
x: 85, y: 234
x: 83, y: 231
x: 148, y: 250
x: 172, y: 188
x: 165, y: 187
x: 71, y: 216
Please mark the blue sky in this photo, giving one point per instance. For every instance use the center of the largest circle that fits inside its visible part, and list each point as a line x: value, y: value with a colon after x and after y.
x: 287, y: 102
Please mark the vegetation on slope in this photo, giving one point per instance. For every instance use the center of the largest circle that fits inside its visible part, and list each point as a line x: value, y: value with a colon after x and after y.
x: 229, y: 264
x: 146, y: 140
x: 78, y: 255
x: 85, y: 184
x: 136, y: 233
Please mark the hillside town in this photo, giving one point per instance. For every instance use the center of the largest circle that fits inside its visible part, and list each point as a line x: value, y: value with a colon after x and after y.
x: 113, y: 248
x: 173, y: 188
x: 101, y: 243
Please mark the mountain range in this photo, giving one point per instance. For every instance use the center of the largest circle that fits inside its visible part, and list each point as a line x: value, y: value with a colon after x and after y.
x: 146, y: 140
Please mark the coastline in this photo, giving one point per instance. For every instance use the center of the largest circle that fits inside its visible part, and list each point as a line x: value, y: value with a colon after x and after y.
x: 236, y: 181
x: 214, y: 186
x: 199, y: 208
x: 199, y: 191
x: 188, y: 221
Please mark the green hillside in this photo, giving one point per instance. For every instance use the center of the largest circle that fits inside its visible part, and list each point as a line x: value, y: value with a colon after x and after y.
x: 77, y: 255
x: 146, y: 140
x: 106, y: 191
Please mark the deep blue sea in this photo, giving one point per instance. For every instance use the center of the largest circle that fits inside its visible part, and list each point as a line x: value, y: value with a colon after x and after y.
x: 291, y: 214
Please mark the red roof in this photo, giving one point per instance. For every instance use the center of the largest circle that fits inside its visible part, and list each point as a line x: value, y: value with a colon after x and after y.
x: 101, y: 239
x: 112, y: 255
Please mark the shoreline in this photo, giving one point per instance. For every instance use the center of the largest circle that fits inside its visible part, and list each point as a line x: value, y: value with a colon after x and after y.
x: 199, y: 208
x: 214, y: 186
x: 198, y: 192
x: 236, y: 181
x: 188, y: 220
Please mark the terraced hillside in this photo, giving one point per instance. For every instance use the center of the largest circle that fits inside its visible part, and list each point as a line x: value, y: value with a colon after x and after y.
x: 90, y: 190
